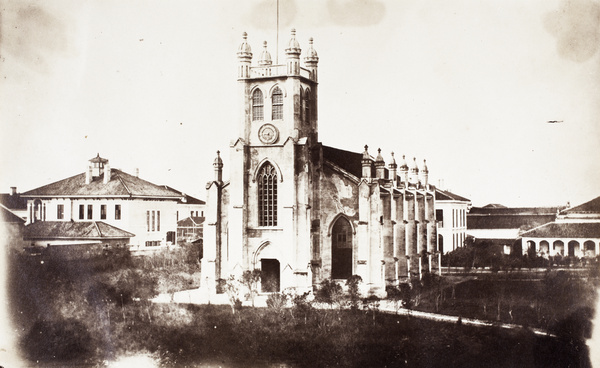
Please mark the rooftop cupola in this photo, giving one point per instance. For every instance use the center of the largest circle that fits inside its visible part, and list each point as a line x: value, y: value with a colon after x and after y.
x: 292, y: 53
x: 379, y: 165
x: 366, y: 163
x: 413, y: 176
x: 424, y: 174
x: 96, y: 167
x: 265, y: 56
x: 404, y: 169
x: 312, y: 59
x: 393, y: 167
x: 244, y: 55
x: 218, y: 165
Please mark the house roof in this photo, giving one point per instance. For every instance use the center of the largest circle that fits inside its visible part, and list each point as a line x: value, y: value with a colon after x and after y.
x: 494, y: 205
x: 349, y: 161
x: 592, y: 206
x: 188, y: 198
x: 443, y: 195
x: 507, y: 221
x: 7, y: 216
x: 191, y: 221
x: 13, y: 201
x: 74, y: 230
x: 565, y: 230
x: 120, y: 184
x: 497, y: 211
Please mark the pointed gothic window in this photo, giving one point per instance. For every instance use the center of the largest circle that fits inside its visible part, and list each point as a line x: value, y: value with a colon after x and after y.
x: 341, y: 249
x: 257, y: 105
x: 307, y: 116
x: 267, y: 196
x: 277, y: 103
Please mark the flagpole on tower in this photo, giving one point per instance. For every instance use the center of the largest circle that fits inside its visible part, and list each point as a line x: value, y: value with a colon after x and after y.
x: 277, y: 44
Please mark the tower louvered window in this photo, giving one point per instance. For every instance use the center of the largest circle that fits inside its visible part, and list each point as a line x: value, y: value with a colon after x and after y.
x: 257, y: 105
x: 267, y: 196
x: 307, y: 102
x: 277, y: 103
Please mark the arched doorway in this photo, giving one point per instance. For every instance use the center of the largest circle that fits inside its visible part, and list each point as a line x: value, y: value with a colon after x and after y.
x: 441, y: 243
x: 559, y: 247
x: 341, y: 249
x: 270, y: 275
x: 530, y: 247
x: 573, y: 248
x: 544, y: 247
x: 590, y: 248
x: 37, y: 210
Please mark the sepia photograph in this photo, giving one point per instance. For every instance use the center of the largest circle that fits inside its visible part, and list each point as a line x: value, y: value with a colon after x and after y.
x: 300, y: 183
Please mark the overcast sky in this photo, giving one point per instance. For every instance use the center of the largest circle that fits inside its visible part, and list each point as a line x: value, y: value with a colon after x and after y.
x: 467, y: 85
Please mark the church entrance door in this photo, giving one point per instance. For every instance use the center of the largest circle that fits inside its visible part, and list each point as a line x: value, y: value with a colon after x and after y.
x: 270, y: 275
x: 341, y: 249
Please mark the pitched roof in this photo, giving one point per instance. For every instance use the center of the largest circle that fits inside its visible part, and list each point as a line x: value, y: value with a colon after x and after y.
x: 509, y: 221
x: 74, y: 230
x: 188, y: 198
x: 120, y: 184
x: 349, y: 161
x: 7, y: 216
x: 13, y: 201
x: 496, y: 211
x: 443, y: 195
x: 565, y: 230
x: 592, y: 206
x: 190, y: 221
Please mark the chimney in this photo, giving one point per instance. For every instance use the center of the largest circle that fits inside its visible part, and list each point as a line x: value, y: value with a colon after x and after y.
x: 13, y: 191
x: 88, y: 174
x: 106, y: 173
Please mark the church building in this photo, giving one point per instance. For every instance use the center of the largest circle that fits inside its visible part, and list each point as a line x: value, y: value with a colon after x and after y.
x: 303, y: 212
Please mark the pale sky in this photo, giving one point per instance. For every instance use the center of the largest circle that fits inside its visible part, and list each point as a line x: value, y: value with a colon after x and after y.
x: 467, y: 85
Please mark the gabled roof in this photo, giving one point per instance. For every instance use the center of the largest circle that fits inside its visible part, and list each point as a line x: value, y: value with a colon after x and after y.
x: 589, y: 230
x: 13, y: 201
x: 120, y: 184
x: 443, y: 195
x: 191, y: 221
x: 74, y: 230
x: 494, y: 205
x: 592, y: 206
x: 7, y: 216
x: 349, y: 161
x: 188, y: 198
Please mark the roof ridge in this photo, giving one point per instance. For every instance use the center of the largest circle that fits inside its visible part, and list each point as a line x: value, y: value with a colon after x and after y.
x: 123, y: 182
x: 97, y: 228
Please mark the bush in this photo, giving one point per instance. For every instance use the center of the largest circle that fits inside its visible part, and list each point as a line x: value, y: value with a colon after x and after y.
x: 331, y: 293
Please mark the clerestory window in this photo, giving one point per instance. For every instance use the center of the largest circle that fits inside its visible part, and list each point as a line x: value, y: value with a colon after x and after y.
x: 277, y: 104
x: 267, y: 196
x: 257, y: 105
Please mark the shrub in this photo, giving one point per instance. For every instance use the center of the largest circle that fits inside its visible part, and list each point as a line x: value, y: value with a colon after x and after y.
x: 353, y: 283
x: 331, y: 293
x: 277, y: 302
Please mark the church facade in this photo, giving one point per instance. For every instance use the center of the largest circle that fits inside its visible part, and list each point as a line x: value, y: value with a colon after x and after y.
x: 303, y: 212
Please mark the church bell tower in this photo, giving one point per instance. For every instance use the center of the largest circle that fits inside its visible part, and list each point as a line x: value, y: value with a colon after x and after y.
x: 272, y: 167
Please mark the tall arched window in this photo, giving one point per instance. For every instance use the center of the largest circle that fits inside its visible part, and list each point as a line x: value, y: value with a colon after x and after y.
x: 257, y: 105
x: 301, y: 112
x: 277, y: 104
x: 307, y: 102
x: 267, y: 196
x: 341, y: 249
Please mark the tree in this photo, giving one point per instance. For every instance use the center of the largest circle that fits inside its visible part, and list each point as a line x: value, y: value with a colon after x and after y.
x: 251, y: 279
